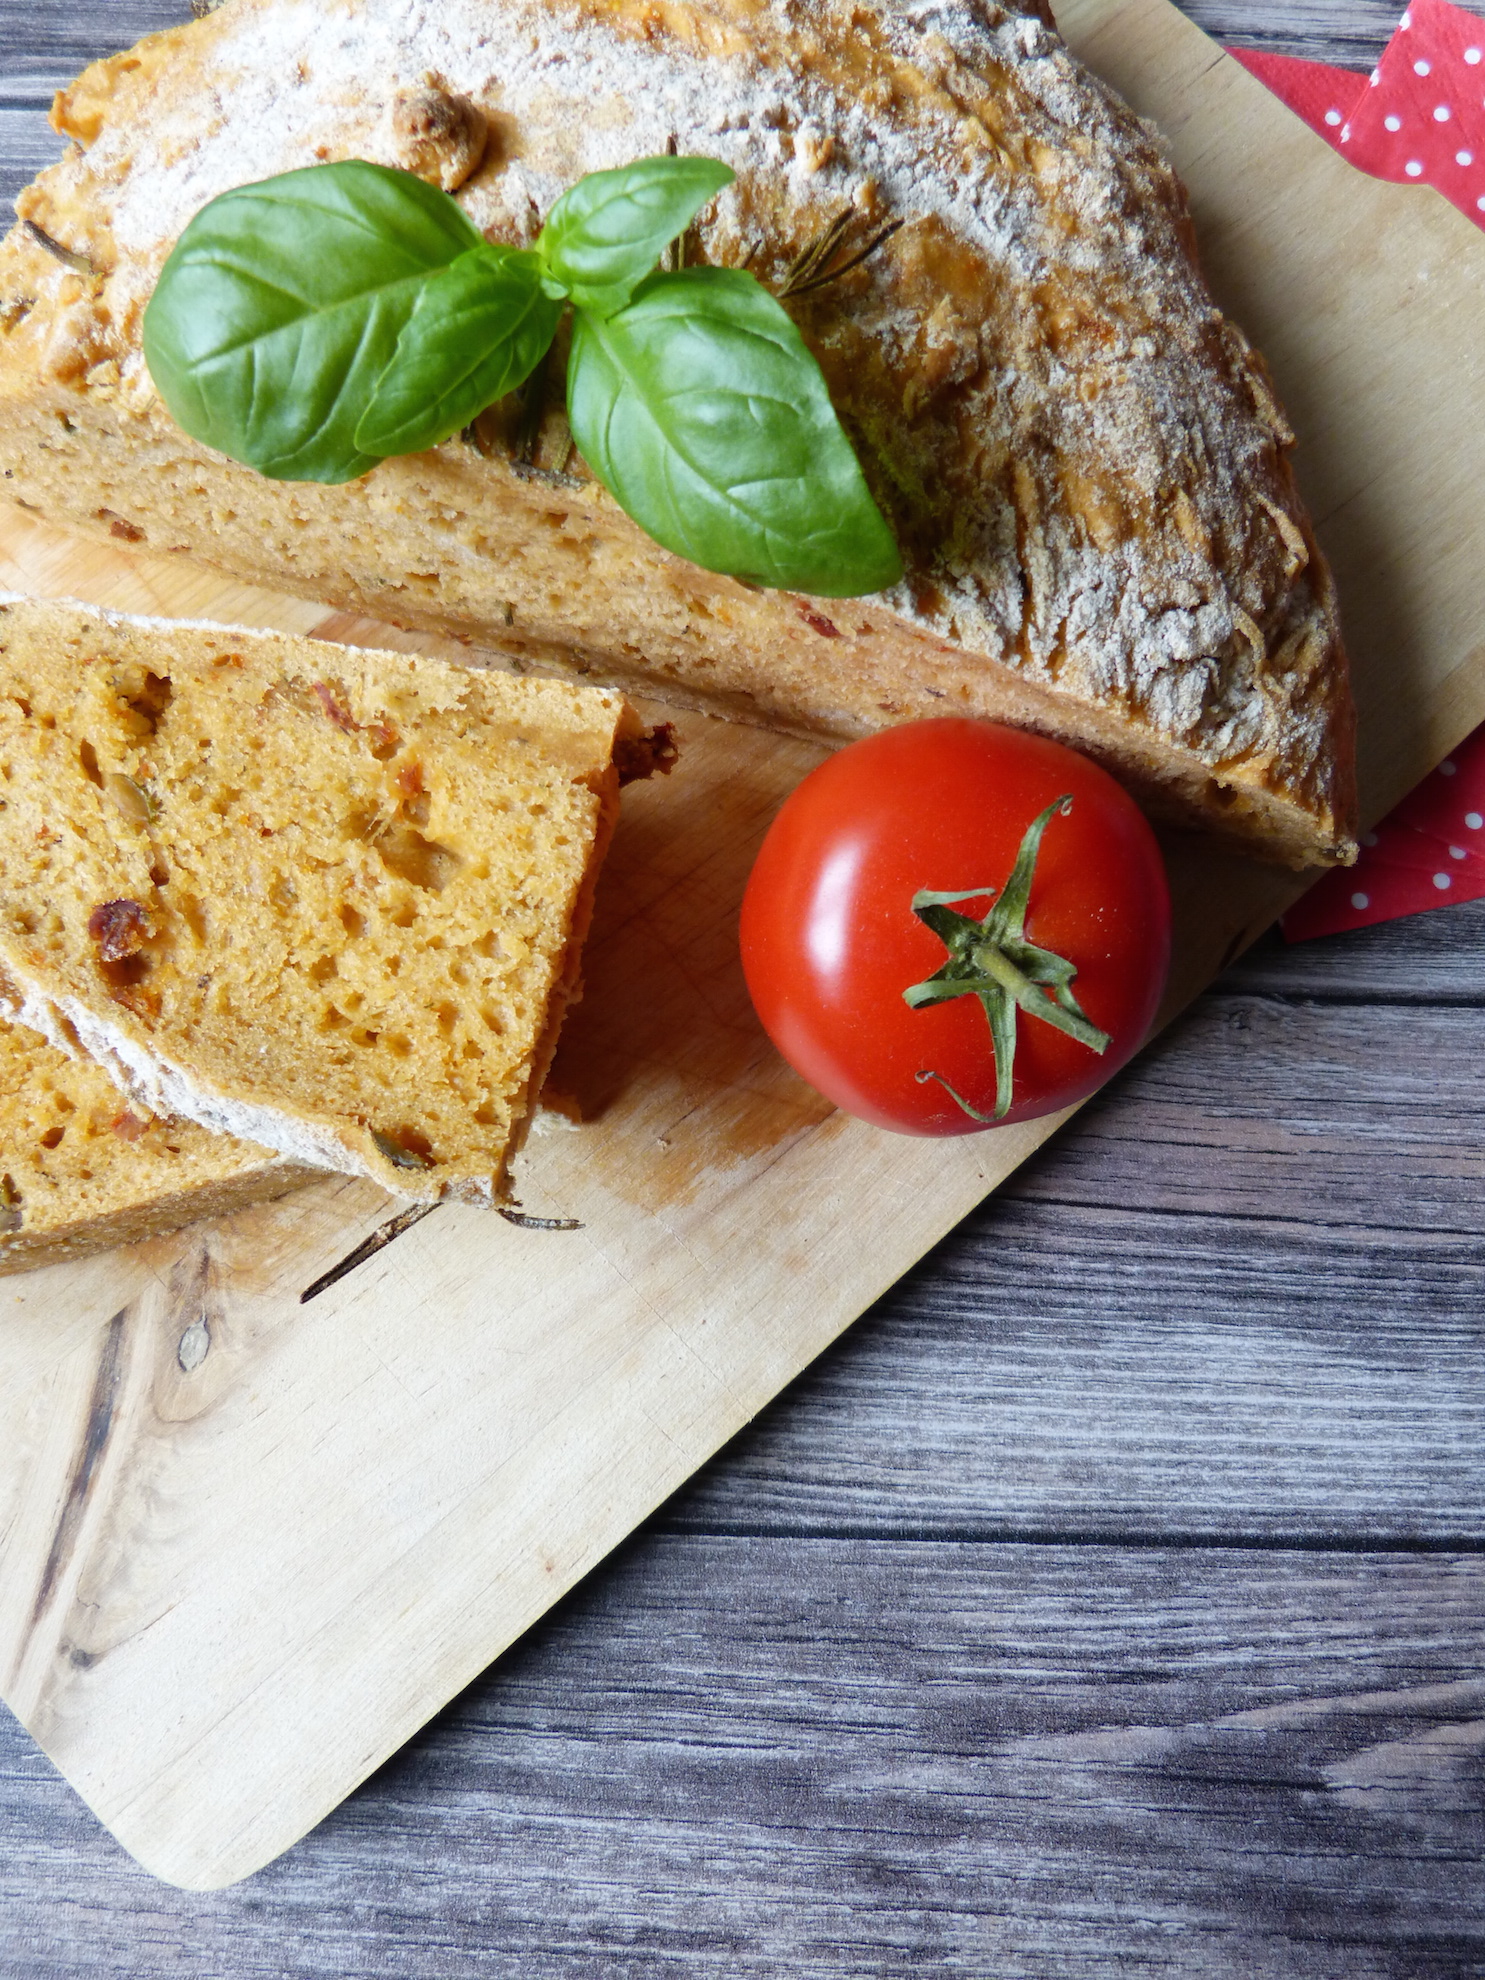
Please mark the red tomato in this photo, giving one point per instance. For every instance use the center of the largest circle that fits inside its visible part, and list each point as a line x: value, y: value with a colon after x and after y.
x: 830, y: 941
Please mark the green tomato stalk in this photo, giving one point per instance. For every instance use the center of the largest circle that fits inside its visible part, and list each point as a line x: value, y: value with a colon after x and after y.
x: 992, y: 960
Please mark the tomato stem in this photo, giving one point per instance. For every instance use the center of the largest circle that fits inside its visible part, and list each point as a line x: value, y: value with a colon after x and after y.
x: 992, y: 960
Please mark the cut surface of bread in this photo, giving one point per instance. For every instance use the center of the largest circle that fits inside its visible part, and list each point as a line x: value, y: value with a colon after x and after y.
x: 82, y: 1171
x: 327, y: 900
x: 1084, y: 462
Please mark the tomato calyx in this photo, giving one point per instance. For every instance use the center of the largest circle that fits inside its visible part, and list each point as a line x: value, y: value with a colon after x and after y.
x: 992, y: 960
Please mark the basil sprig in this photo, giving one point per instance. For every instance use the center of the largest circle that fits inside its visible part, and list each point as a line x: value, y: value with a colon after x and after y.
x: 319, y: 322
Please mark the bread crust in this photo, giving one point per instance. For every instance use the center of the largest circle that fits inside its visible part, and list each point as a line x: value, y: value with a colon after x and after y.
x: 81, y: 1171
x: 1084, y: 462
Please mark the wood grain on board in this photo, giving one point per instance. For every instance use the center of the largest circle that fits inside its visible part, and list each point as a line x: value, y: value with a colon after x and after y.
x: 229, y: 1590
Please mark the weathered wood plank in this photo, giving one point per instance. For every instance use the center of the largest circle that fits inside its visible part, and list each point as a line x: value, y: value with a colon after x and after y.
x: 1437, y: 957
x: 44, y: 46
x: 1052, y: 1370
x: 818, y: 1759
x: 1351, y: 35
x: 27, y: 144
x: 1327, y: 1115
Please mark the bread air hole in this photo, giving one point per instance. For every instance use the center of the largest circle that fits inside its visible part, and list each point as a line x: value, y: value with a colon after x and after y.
x: 424, y: 863
x: 402, y: 848
x: 147, y: 695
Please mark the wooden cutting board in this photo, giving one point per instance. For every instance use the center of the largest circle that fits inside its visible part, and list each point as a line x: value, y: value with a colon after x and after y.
x: 247, y: 1545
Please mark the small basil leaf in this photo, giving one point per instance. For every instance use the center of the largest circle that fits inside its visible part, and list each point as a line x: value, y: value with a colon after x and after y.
x: 703, y: 414
x: 606, y: 233
x: 480, y: 328
x: 281, y: 305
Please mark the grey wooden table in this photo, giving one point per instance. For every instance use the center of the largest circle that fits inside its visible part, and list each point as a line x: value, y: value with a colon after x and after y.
x: 1111, y: 1600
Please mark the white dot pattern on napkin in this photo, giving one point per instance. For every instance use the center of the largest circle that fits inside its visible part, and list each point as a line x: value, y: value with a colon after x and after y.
x: 1442, y: 880
x: 1427, y: 84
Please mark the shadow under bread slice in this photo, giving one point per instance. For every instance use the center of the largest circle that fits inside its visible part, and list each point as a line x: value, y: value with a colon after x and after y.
x: 81, y: 1170
x: 324, y: 899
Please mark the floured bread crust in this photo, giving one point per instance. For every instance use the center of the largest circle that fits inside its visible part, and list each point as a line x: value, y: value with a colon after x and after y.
x: 1083, y: 460
x: 327, y: 900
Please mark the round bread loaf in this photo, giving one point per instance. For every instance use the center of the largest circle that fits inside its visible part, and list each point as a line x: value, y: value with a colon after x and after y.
x: 1083, y: 460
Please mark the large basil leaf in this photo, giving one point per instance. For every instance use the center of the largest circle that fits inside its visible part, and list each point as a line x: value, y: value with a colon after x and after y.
x: 700, y: 409
x: 480, y: 328
x: 606, y: 233
x: 281, y: 305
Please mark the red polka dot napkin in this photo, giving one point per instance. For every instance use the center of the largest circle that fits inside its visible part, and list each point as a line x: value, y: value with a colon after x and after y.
x: 1418, y: 117
x: 1428, y: 852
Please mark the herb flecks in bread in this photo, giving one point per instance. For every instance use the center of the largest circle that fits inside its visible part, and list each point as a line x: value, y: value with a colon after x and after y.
x: 1083, y: 464
x: 328, y: 900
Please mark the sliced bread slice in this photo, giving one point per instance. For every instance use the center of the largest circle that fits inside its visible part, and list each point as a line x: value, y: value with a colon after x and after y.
x: 81, y: 1170
x: 324, y: 899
